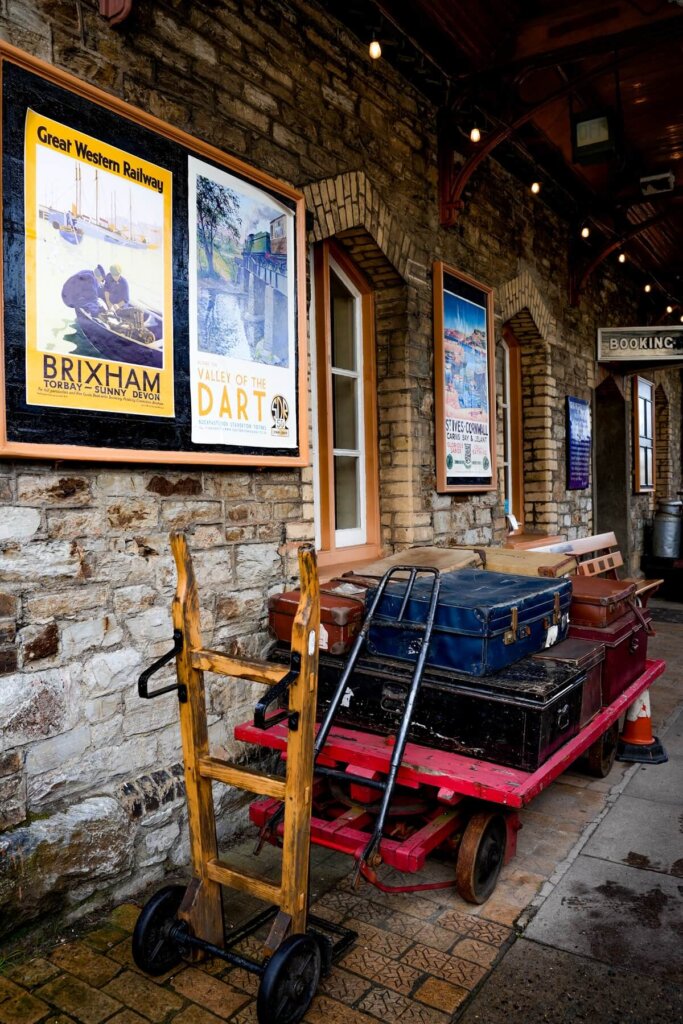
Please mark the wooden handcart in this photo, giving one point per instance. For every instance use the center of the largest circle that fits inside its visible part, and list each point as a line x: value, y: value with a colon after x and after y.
x: 187, y: 923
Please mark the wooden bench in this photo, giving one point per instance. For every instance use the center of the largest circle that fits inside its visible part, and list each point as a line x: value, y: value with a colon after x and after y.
x: 605, y: 559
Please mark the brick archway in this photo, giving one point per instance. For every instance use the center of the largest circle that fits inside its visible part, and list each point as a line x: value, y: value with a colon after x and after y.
x: 350, y: 200
x: 528, y: 318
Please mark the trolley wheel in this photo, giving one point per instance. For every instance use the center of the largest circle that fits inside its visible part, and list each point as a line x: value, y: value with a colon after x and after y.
x: 154, y: 951
x: 289, y: 981
x: 480, y: 856
x: 601, y: 754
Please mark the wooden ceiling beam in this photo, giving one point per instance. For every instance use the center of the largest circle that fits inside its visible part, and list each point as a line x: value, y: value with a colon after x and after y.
x: 585, y: 28
x: 577, y: 283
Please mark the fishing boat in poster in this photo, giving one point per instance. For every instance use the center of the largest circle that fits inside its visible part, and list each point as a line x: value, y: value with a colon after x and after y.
x: 133, y: 334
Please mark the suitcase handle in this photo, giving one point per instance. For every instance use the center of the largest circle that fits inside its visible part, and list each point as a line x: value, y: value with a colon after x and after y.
x: 563, y: 718
x: 641, y: 618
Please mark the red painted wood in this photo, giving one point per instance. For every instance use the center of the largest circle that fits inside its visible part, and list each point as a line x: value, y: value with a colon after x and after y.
x: 348, y: 834
x: 482, y: 779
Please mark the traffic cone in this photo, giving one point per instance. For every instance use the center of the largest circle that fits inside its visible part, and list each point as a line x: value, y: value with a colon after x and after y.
x: 636, y: 742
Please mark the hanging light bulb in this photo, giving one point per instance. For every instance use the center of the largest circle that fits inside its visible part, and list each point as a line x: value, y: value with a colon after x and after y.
x: 375, y: 49
x: 475, y: 135
x: 622, y: 257
x: 585, y: 231
x: 669, y: 309
x: 535, y: 187
x: 648, y: 288
x: 681, y: 319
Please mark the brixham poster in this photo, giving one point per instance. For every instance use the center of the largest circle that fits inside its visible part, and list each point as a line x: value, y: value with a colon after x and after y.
x: 243, y: 342
x: 464, y: 382
x: 99, y: 295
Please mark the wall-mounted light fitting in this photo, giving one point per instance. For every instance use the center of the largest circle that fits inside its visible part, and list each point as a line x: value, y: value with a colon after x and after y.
x: 475, y: 135
x: 375, y: 50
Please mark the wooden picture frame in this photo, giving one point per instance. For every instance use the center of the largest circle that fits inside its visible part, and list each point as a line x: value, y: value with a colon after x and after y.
x: 84, y: 377
x: 464, y: 383
x: 644, y: 451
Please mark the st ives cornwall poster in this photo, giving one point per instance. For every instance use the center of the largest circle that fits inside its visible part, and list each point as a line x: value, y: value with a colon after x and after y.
x: 242, y: 312
x: 99, y: 295
x: 465, y: 342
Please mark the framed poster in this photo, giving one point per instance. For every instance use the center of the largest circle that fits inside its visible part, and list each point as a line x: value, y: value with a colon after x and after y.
x: 153, y: 287
x: 463, y: 382
x: 242, y: 340
x: 578, y: 444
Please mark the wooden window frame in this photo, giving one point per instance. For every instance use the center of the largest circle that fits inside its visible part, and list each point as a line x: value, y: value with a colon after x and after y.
x: 514, y: 377
x: 329, y: 554
x: 639, y: 486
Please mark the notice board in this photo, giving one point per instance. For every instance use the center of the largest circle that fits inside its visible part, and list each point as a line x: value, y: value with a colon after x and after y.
x: 153, y: 287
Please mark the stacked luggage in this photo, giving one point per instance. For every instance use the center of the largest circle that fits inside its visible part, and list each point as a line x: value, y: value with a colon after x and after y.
x: 606, y: 612
x: 515, y: 665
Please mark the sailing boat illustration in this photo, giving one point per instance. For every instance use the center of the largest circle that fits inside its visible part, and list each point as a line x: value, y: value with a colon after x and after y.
x: 74, y: 223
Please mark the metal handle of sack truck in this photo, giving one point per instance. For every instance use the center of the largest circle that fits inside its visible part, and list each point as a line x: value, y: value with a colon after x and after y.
x: 274, y: 694
x: 164, y: 660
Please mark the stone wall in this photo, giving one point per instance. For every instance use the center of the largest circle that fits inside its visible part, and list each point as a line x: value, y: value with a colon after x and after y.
x: 91, y: 795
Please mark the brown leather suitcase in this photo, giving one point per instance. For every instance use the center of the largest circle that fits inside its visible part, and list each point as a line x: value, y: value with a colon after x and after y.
x: 625, y: 650
x: 342, y: 609
x: 598, y: 602
x: 587, y: 657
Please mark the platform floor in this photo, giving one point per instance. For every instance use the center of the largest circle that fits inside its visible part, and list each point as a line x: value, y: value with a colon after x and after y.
x: 585, y: 924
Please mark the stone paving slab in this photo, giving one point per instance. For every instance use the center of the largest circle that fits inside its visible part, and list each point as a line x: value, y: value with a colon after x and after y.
x: 535, y: 984
x: 674, y: 735
x: 660, y: 783
x: 623, y: 916
x: 641, y: 833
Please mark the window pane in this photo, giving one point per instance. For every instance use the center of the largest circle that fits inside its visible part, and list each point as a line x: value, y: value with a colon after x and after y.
x: 346, y: 492
x: 345, y: 411
x: 343, y: 325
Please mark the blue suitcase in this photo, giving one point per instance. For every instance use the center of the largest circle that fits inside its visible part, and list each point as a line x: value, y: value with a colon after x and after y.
x: 484, y: 620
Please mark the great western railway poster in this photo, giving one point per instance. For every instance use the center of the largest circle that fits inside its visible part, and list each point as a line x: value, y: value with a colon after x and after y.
x: 99, y: 301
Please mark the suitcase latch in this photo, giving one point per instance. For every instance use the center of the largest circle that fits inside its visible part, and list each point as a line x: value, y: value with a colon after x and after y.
x: 510, y: 636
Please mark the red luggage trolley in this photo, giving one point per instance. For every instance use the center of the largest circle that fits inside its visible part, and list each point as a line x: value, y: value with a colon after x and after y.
x: 442, y: 799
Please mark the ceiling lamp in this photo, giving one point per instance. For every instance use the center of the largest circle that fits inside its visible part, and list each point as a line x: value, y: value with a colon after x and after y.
x: 585, y: 231
x: 622, y: 257
x: 375, y: 49
x: 648, y: 288
x: 535, y: 187
x: 669, y: 309
x: 475, y: 135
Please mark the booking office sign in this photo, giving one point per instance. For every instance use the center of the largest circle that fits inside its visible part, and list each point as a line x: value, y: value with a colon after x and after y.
x: 99, y: 293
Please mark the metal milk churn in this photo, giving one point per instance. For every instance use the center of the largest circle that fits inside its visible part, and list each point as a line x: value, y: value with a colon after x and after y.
x: 666, y: 536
